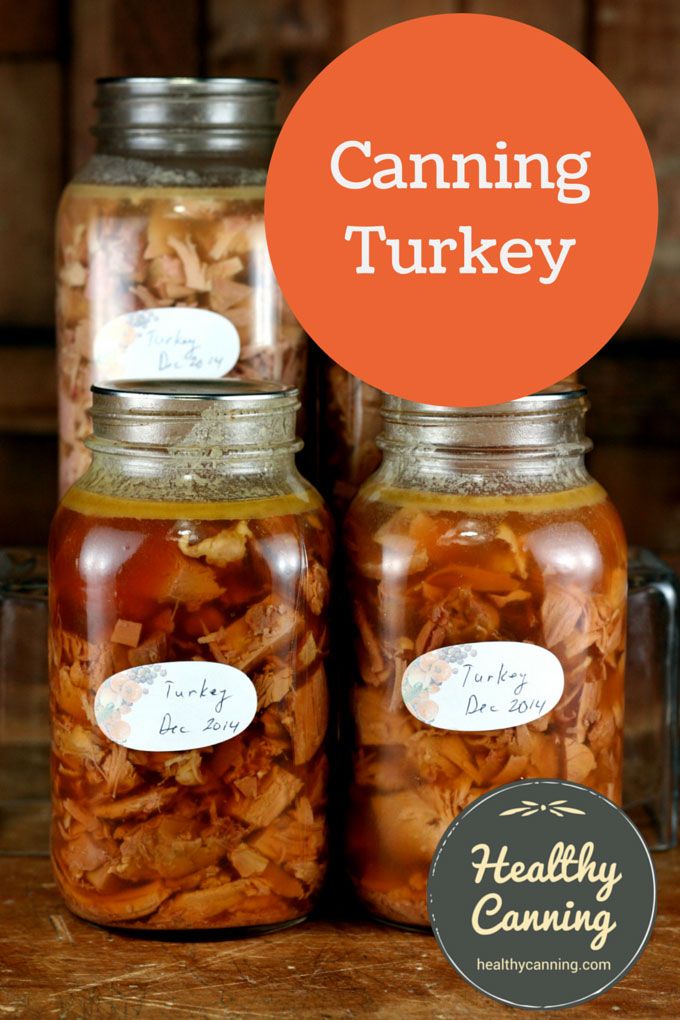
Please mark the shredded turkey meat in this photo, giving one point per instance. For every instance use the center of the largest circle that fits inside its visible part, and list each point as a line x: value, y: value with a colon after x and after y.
x: 126, y: 249
x: 230, y: 835
x: 428, y: 576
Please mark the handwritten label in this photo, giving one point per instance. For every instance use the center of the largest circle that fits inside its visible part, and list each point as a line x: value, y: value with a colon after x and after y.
x: 175, y: 706
x: 489, y: 685
x: 167, y: 343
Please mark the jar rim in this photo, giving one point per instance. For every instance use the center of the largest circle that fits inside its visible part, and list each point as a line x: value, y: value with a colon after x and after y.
x: 553, y: 399
x: 550, y: 420
x: 208, y: 82
x: 163, y: 116
x: 223, y: 389
x: 184, y: 414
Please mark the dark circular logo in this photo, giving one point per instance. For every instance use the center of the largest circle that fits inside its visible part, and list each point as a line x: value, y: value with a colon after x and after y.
x: 542, y: 894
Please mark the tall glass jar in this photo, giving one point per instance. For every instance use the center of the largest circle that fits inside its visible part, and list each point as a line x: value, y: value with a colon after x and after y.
x: 350, y: 425
x: 188, y: 590
x: 488, y: 581
x: 162, y: 264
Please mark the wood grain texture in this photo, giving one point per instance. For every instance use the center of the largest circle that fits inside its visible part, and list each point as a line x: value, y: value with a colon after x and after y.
x: 637, y: 44
x: 28, y: 445
x: 28, y: 399
x: 290, y: 40
x: 30, y: 29
x: 30, y: 182
x: 52, y: 964
x: 564, y: 18
x: 643, y: 482
x: 634, y: 394
x: 361, y: 18
x: 125, y: 37
x: 28, y: 483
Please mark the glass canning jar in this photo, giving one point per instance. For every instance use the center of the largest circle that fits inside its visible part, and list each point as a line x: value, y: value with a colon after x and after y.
x: 189, y: 704
x: 162, y: 264
x: 480, y: 537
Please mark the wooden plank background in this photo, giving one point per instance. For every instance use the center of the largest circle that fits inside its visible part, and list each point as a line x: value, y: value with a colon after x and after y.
x: 50, y: 53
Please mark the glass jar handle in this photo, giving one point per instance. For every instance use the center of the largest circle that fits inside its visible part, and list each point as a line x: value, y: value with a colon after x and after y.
x: 651, y: 783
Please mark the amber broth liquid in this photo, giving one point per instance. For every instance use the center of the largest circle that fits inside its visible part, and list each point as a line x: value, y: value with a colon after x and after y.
x: 433, y: 571
x: 231, y: 835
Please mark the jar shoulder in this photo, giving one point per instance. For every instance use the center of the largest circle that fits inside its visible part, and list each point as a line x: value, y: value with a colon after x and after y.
x: 85, y: 510
x: 167, y: 171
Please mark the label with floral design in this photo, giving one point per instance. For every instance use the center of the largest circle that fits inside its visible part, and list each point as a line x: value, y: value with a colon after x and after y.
x: 486, y: 685
x: 175, y: 706
x: 166, y: 343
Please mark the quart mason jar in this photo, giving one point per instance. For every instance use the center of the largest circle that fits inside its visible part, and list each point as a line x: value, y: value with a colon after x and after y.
x: 488, y: 582
x: 189, y: 705
x: 162, y: 265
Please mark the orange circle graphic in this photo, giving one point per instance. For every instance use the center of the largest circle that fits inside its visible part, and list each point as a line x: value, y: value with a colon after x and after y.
x: 461, y: 209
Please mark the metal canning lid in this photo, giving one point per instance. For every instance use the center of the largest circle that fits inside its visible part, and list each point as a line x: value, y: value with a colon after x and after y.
x: 552, y: 418
x: 197, y: 83
x: 178, y: 102
x: 552, y: 400
x: 242, y: 412
x: 195, y: 389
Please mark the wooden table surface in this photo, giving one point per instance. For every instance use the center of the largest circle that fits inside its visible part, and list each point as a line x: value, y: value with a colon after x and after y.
x: 54, y: 965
